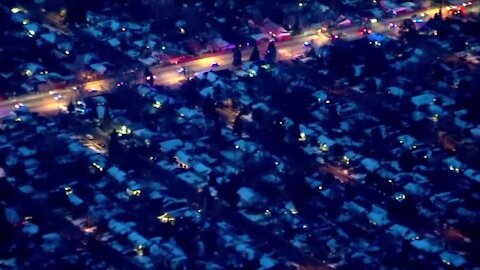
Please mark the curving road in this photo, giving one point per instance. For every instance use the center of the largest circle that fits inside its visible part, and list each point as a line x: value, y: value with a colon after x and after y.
x: 168, y: 75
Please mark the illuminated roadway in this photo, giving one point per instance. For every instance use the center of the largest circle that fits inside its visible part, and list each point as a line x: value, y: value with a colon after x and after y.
x: 44, y: 103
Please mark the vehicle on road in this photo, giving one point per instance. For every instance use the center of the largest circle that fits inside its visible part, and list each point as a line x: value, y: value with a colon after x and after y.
x: 455, y: 10
x: 58, y: 97
x: 181, y: 70
x: 392, y: 25
x: 460, y: 3
x: 365, y: 31
x: 336, y: 36
x: 214, y: 65
x: 19, y: 105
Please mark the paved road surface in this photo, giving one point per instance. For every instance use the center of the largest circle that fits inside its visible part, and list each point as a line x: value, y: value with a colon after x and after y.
x: 168, y: 75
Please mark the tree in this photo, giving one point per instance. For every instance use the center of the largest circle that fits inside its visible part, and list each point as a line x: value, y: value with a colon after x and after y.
x: 271, y: 54
x: 237, y: 57
x: 340, y: 60
x: 5, y: 229
x: 311, y: 53
x: 189, y: 91
x: 255, y: 56
x: 107, y: 118
x: 238, y: 125
x: 407, y: 161
x: 70, y: 107
x: 408, y: 30
x: 76, y: 11
x: 114, y: 147
x: 209, y: 108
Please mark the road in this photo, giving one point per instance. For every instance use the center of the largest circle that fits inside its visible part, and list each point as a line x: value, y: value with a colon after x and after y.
x: 44, y: 103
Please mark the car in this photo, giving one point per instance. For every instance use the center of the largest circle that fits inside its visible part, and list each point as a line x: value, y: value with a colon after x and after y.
x: 89, y: 136
x: 58, y: 97
x: 181, y: 70
x: 92, y: 90
x: 455, y: 10
x: 392, y: 25
x: 417, y: 19
x: 52, y: 92
x: 365, y: 31
x: 214, y: 65
x: 336, y: 36
x: 121, y: 83
x: 19, y: 105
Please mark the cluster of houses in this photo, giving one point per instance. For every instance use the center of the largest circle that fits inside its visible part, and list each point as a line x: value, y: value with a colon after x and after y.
x: 257, y: 168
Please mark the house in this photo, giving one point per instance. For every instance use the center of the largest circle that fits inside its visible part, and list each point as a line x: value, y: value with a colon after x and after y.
x: 278, y: 32
x: 248, y: 197
x: 192, y: 180
x: 378, y: 216
x: 117, y: 174
x: 370, y: 164
x: 170, y: 145
x: 325, y: 143
x: 453, y: 258
x: 183, y: 159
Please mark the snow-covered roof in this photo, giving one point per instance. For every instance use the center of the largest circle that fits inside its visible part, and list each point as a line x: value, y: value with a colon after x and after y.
x: 424, y: 99
x: 50, y: 242
x: 30, y: 229
x: 148, y: 61
x: 187, y: 113
x: 201, y: 168
x: 144, y: 133
x: 93, y: 32
x: 173, y: 144
x: 427, y: 245
x: 402, y: 231
x: 211, y: 77
x: 370, y: 164
x: 396, y: 91
x: 267, y: 262
x: 320, y: 95
x: 207, y: 91
x: 121, y: 228
x: 99, y: 67
x: 248, y: 195
x: 453, y: 258
x: 378, y: 216
x: 75, y: 200
x: 137, y: 239
x: 117, y: 174
x: 475, y: 132
x: 325, y: 140
x: 245, y: 146
x: 192, y: 179
x: 472, y: 174
x: 50, y: 37
x: 114, y: 42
